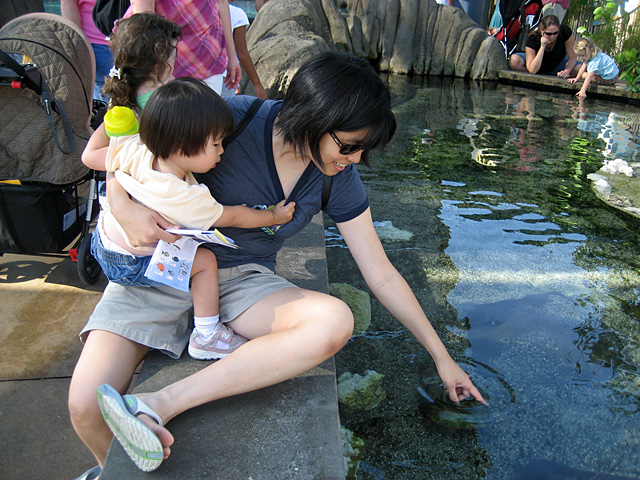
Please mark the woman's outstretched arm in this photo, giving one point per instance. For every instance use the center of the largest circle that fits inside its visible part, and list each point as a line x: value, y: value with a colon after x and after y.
x: 396, y: 295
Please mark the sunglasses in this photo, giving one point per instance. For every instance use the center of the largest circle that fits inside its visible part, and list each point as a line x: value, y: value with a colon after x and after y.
x: 551, y: 34
x: 345, y: 149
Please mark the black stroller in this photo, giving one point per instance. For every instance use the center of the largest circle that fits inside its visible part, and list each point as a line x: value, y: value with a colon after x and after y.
x: 48, y: 198
x: 519, y: 17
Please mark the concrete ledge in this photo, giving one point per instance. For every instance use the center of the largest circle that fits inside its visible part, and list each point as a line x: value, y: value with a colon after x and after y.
x: 617, y: 93
x: 287, y: 431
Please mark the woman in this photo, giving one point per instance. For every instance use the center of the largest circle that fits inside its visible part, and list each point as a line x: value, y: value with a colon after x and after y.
x: 548, y: 51
x: 335, y: 111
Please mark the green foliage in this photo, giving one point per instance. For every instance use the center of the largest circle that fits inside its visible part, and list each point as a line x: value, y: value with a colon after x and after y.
x: 629, y: 63
x: 603, y: 14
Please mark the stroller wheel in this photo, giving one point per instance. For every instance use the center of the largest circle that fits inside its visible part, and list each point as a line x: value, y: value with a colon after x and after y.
x: 88, y: 267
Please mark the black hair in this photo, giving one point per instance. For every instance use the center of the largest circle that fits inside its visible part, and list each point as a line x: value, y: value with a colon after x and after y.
x: 335, y: 92
x: 182, y: 116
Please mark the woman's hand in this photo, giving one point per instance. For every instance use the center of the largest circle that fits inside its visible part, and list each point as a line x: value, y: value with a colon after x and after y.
x: 457, y: 382
x: 283, y: 213
x: 564, y: 73
x: 544, y: 41
x: 143, y: 227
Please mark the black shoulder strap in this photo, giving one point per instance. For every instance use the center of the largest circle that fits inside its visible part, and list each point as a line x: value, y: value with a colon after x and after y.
x: 48, y: 102
x: 251, y: 111
x: 326, y: 190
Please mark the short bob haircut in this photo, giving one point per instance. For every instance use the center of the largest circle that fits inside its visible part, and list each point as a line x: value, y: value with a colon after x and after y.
x: 335, y: 92
x: 181, y: 117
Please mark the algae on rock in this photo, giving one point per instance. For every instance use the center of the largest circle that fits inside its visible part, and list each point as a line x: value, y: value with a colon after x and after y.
x: 357, y: 392
x: 358, y: 301
x: 352, y: 450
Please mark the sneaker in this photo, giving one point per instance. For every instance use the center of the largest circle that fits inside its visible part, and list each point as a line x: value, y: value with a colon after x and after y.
x: 223, y: 342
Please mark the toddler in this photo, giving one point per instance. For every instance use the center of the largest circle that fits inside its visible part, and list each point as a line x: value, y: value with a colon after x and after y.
x: 596, y: 66
x: 181, y: 130
x: 144, y: 52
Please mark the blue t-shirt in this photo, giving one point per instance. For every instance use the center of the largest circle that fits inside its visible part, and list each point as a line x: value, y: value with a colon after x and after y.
x: 247, y: 175
x: 603, y: 65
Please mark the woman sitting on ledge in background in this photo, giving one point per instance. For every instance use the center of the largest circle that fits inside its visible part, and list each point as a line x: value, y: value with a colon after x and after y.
x: 548, y: 51
x: 335, y: 111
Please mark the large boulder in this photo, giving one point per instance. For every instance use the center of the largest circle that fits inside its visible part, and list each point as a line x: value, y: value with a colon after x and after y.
x: 401, y: 36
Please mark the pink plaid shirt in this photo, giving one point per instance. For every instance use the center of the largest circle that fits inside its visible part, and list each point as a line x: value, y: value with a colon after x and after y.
x: 202, y: 50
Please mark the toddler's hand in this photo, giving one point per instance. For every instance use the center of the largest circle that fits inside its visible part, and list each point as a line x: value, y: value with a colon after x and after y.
x: 283, y: 213
x: 572, y: 80
x: 581, y: 94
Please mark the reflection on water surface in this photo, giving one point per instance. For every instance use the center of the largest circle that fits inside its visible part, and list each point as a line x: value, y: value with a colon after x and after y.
x: 529, y: 278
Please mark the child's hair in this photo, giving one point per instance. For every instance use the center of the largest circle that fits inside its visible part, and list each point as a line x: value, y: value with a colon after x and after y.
x: 545, y: 23
x: 182, y: 116
x: 590, y: 48
x: 335, y: 91
x: 141, y: 46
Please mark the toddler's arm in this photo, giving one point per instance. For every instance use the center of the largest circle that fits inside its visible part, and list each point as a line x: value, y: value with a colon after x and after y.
x: 583, y: 68
x: 95, y: 153
x: 244, y: 217
x: 583, y: 91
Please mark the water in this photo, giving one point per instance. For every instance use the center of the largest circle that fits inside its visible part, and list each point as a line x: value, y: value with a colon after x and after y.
x: 531, y: 281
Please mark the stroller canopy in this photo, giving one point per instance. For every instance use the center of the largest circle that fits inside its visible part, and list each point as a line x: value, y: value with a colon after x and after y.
x: 64, y: 57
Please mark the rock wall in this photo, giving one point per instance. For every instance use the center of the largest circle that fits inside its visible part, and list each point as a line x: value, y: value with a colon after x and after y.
x: 402, y: 36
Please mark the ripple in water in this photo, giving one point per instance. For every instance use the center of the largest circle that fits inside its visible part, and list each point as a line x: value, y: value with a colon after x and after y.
x: 468, y: 414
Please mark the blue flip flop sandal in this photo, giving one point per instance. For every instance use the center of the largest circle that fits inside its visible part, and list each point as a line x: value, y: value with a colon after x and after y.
x: 139, y: 442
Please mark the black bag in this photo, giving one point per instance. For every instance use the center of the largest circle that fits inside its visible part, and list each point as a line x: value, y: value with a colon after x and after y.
x: 39, y: 218
x: 106, y: 12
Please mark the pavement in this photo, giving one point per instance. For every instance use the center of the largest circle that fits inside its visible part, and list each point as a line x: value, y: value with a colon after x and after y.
x: 290, y: 430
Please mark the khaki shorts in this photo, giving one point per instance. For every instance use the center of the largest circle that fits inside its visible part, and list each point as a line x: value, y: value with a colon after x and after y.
x: 160, y: 317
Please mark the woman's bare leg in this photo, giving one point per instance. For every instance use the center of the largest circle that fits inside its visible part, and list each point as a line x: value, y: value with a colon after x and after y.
x: 293, y: 330
x: 517, y: 63
x: 105, y: 358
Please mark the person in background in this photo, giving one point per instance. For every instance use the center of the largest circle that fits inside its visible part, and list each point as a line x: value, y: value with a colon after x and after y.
x: 477, y: 10
x: 144, y: 56
x: 495, y: 23
x: 549, y: 51
x: 206, y: 51
x: 260, y: 4
x: 598, y: 67
x: 79, y: 12
x: 239, y: 24
x: 14, y: 8
x: 555, y: 7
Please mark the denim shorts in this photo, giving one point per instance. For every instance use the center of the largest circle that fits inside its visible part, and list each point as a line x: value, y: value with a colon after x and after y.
x: 125, y: 270
x: 104, y: 63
